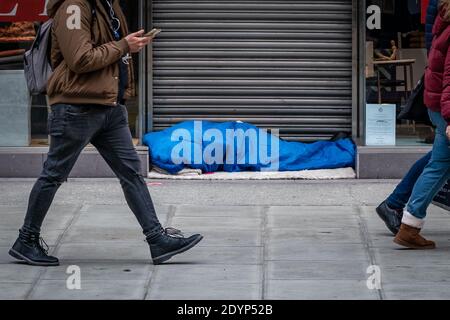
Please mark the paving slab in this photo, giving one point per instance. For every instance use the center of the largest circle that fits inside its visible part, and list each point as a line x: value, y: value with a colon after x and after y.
x: 228, y: 237
x: 136, y: 252
x: 372, y: 194
x: 120, y: 209
x: 90, y: 290
x: 309, y: 223
x: 327, y: 212
x: 319, y: 289
x: 315, y: 251
x: 219, y: 211
x: 105, y: 271
x: 405, y: 257
x: 220, y: 255
x: 14, y: 290
x: 96, y: 234
x: 300, y: 235
x: 254, y: 192
x: 207, y: 193
x: 16, y: 272
x: 216, y: 222
x: 317, y: 270
x: 179, y: 273
x: 396, y: 274
x: 217, y: 290
x: 125, y: 220
x: 417, y: 291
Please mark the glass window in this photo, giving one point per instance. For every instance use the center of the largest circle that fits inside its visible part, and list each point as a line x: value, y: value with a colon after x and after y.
x: 22, y: 126
x: 396, y: 58
x: 24, y: 118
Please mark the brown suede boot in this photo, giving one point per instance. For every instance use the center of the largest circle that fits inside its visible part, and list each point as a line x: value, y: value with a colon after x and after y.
x: 410, y: 237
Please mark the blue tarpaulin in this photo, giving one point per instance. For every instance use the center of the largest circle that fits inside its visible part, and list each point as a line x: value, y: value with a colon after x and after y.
x: 237, y: 146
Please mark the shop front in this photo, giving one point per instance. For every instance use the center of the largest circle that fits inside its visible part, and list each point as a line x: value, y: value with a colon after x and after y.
x: 392, y: 60
x: 23, y: 124
x: 18, y: 25
x: 310, y: 69
x: 276, y: 64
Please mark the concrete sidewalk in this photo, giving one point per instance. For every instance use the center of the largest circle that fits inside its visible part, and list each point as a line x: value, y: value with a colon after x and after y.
x: 263, y: 240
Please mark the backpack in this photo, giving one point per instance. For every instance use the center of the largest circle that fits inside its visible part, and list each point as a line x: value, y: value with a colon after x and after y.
x: 415, y: 108
x: 37, y: 62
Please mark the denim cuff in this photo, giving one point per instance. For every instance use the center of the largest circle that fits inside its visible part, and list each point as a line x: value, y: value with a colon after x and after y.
x: 153, y: 233
x: 412, y: 221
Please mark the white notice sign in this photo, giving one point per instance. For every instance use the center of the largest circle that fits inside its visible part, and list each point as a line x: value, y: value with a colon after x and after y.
x: 380, y: 124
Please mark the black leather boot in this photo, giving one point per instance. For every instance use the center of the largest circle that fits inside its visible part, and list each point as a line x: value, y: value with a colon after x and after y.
x: 391, y: 217
x: 32, y: 249
x: 170, y: 242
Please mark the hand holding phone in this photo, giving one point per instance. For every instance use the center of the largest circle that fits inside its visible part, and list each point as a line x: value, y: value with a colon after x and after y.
x: 137, y: 41
x: 153, y: 33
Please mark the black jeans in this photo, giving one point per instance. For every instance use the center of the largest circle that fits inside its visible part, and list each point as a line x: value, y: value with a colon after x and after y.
x: 71, y: 128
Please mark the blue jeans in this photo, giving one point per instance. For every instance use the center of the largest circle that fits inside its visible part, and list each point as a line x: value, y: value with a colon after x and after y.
x: 400, y: 197
x: 435, y: 174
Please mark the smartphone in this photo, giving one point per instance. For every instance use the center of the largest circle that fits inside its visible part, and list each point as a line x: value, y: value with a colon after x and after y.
x: 152, y: 33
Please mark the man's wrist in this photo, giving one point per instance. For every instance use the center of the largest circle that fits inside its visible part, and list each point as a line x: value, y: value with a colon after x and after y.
x: 123, y: 45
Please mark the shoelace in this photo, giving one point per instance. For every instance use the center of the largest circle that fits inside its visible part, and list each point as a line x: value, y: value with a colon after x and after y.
x: 172, y: 232
x: 40, y: 243
x: 43, y: 245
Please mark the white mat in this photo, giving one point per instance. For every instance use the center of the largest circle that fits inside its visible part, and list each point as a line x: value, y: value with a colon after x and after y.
x: 189, y: 174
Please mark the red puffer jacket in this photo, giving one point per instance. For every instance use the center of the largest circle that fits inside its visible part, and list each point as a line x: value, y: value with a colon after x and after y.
x: 437, y: 75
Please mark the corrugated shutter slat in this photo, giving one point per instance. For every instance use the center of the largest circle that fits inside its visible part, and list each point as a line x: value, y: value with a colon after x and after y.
x: 276, y: 64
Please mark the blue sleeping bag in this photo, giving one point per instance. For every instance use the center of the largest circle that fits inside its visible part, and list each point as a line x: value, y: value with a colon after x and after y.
x: 237, y: 146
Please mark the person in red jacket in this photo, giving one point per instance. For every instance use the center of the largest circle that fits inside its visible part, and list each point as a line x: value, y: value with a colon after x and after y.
x: 437, y: 99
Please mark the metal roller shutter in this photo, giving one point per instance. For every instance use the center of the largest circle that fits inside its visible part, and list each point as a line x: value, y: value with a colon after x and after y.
x: 277, y: 64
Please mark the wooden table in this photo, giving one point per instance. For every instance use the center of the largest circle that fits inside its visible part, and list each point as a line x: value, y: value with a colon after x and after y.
x: 405, y: 63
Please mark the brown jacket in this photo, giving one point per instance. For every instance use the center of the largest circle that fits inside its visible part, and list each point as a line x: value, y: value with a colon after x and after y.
x: 85, y: 60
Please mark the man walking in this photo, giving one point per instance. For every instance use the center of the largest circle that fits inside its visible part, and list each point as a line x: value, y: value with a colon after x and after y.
x: 92, y: 79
